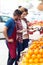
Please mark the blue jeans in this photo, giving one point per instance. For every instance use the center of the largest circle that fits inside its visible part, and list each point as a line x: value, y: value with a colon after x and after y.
x: 25, y: 43
x: 19, y: 49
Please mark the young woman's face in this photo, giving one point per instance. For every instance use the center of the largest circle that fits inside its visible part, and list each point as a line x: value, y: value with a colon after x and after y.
x: 23, y: 14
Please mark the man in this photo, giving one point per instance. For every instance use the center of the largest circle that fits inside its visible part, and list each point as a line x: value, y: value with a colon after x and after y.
x: 10, y: 35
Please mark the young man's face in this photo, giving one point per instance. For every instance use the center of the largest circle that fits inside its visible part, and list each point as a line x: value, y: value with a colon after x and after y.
x: 17, y: 17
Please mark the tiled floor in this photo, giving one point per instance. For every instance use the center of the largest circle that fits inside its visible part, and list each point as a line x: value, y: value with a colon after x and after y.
x: 3, y: 53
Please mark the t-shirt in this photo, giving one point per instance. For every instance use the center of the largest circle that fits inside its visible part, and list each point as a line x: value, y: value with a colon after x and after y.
x: 10, y: 24
x: 24, y: 26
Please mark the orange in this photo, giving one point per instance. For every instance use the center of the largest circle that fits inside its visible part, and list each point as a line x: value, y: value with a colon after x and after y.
x: 41, y: 42
x: 42, y: 55
x: 41, y: 39
x: 41, y: 51
x: 30, y: 64
x: 35, y: 63
x: 36, y: 51
x: 35, y: 60
x: 30, y: 60
x: 34, y: 42
x: 27, y: 56
x: 41, y: 63
x: 25, y: 59
x: 33, y: 56
x: 30, y: 52
x: 25, y: 64
x: 38, y: 56
x: 41, y: 60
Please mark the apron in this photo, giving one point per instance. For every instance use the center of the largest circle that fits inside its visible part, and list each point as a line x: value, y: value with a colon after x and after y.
x: 12, y: 45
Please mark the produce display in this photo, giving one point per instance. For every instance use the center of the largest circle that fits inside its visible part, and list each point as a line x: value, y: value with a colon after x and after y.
x: 34, y: 54
x: 40, y: 23
x: 35, y: 28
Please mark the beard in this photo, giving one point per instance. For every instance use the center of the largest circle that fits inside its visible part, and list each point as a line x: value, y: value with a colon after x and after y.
x: 16, y: 19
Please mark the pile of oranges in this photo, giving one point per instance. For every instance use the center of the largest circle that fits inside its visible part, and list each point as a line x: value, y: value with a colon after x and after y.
x: 34, y: 55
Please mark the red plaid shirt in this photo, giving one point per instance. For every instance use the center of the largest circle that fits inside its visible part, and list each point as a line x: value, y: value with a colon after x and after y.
x: 19, y: 35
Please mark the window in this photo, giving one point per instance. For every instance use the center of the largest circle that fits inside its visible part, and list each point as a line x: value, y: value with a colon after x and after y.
x: 4, y: 18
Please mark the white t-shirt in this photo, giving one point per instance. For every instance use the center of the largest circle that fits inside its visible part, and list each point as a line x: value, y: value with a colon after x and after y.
x: 24, y: 26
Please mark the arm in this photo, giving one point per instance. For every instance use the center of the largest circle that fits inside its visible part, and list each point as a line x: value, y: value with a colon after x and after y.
x: 5, y: 34
x: 21, y: 31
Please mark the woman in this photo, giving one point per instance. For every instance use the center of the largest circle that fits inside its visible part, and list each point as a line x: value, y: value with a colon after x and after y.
x: 25, y: 34
x: 24, y: 25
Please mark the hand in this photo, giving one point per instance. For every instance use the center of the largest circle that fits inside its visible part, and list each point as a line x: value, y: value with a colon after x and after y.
x: 24, y: 30
x: 27, y: 29
x: 10, y: 40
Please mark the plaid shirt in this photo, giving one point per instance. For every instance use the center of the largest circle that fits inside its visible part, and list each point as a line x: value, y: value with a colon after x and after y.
x: 19, y: 35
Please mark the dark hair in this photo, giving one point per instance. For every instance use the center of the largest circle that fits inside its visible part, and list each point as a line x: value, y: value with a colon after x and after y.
x: 17, y: 12
x: 19, y: 6
x: 26, y: 10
